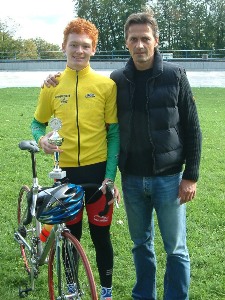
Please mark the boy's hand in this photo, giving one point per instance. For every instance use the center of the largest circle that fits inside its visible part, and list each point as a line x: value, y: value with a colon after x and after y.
x: 46, y: 146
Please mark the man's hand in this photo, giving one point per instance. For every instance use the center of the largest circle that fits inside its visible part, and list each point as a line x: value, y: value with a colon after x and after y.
x: 46, y: 146
x: 51, y: 80
x: 187, y: 190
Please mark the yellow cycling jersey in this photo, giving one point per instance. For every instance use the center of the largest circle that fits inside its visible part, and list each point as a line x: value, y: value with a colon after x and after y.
x: 85, y: 102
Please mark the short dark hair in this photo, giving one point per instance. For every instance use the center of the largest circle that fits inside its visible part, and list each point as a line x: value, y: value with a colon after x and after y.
x: 146, y: 17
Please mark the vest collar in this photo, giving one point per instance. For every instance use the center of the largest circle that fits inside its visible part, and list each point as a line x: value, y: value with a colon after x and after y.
x: 157, y: 66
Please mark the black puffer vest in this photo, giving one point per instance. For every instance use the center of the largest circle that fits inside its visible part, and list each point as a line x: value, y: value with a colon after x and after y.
x: 164, y: 130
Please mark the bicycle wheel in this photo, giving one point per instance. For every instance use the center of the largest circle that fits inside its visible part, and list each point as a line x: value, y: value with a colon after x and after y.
x: 69, y: 272
x: 26, y: 231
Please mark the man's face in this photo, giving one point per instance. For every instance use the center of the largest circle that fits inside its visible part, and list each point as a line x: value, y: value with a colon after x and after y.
x: 78, y: 50
x: 141, y: 44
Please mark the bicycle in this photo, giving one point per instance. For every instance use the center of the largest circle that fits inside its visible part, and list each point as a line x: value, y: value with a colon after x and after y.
x: 69, y: 272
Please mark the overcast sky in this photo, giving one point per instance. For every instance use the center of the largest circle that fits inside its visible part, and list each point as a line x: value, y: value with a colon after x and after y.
x: 39, y: 18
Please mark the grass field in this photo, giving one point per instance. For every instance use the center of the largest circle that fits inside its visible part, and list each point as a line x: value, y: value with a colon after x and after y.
x: 205, y: 215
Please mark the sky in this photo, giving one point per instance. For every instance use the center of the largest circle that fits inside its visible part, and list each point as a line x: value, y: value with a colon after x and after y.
x: 45, y: 19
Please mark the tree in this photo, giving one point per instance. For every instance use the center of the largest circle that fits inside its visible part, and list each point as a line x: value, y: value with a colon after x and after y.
x: 217, y: 16
x: 109, y: 17
x: 191, y: 24
x: 7, y: 30
x: 183, y: 25
x: 11, y: 48
x: 28, y: 50
x: 47, y: 50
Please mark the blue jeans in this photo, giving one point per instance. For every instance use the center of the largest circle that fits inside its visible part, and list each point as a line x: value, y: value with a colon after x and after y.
x: 142, y: 195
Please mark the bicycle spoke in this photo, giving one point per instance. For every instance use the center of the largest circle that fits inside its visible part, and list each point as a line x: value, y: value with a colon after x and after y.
x: 76, y: 279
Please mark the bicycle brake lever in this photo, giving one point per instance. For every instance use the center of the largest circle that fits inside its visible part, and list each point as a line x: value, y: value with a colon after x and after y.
x: 109, y: 196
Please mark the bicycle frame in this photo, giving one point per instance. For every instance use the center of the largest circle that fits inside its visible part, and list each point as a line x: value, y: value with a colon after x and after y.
x: 40, y: 257
x: 54, y: 251
x: 35, y: 186
x: 55, y: 235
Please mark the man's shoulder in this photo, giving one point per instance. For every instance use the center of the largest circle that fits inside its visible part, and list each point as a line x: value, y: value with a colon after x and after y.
x: 172, y: 69
x: 117, y: 74
x: 172, y: 66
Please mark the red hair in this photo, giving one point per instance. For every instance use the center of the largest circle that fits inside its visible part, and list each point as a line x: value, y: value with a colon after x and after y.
x: 79, y: 26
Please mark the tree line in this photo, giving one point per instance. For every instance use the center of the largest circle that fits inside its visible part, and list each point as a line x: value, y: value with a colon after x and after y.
x: 183, y: 25
x: 12, y: 48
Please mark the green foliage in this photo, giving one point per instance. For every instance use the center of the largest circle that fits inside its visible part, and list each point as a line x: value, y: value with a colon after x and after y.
x: 183, y: 24
x: 7, y: 42
x: 28, y: 50
x: 191, y: 24
x: 205, y: 214
x: 11, y: 48
x: 47, y: 50
x: 109, y: 17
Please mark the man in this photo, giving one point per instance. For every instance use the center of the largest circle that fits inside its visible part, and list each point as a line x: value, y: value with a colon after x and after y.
x: 85, y: 102
x: 160, y: 149
x: 159, y: 133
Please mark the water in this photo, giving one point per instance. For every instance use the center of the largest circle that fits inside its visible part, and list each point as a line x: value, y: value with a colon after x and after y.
x: 36, y: 78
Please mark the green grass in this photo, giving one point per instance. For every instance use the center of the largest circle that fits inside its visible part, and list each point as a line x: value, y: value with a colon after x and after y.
x: 205, y: 215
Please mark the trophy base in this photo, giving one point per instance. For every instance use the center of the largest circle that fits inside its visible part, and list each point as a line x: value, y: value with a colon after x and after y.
x: 57, y: 174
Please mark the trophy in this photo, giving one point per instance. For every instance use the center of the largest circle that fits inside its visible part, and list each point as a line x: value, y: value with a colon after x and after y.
x: 57, y: 140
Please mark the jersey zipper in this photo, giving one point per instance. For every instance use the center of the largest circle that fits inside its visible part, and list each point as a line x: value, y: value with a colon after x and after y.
x: 77, y: 121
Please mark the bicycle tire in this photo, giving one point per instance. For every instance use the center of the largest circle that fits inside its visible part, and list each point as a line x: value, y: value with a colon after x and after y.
x: 73, y: 269
x: 27, y: 231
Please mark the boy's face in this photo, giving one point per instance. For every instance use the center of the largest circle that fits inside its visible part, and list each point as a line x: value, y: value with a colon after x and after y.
x: 78, y: 50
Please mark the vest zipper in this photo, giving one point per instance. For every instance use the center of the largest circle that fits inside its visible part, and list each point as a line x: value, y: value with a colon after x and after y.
x: 148, y: 83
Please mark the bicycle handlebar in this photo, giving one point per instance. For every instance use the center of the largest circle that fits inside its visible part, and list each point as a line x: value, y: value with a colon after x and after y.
x: 33, y: 148
x: 109, y: 194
